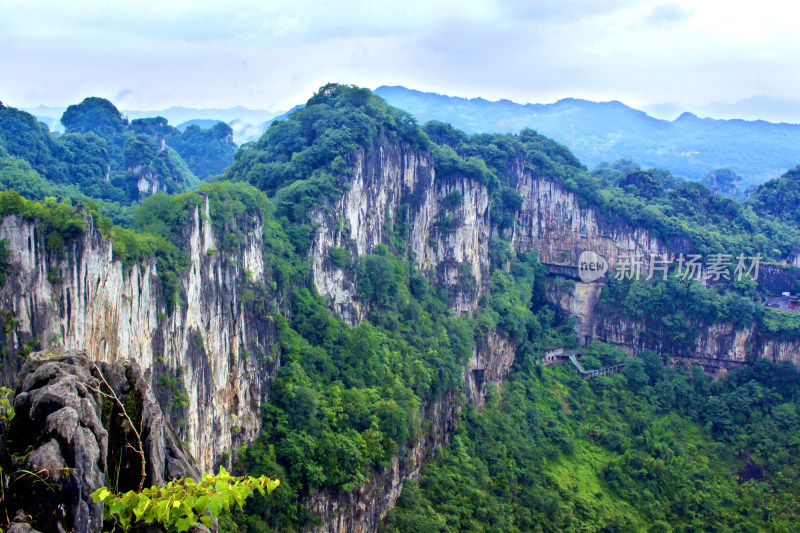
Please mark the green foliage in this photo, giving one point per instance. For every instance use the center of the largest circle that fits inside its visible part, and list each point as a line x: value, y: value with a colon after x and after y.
x: 629, y: 452
x: 165, y: 215
x: 675, y: 310
x: 5, y: 265
x: 781, y: 326
x: 59, y: 222
x: 16, y: 174
x: 207, y: 152
x: 550, y: 451
x: 723, y: 181
x: 450, y: 165
x: 6, y: 407
x: 172, y: 385
x: 144, y: 156
x: 779, y: 197
x: 672, y: 210
x: 687, y: 211
x: 453, y: 200
x: 338, y: 257
x: 312, y: 150
x: 23, y: 137
x: 182, y: 503
x: 345, y: 400
x: 675, y: 211
x: 96, y: 115
x: 103, y: 157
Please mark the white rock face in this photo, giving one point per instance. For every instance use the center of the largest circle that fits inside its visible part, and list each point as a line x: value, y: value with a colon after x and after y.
x: 148, y: 184
x: 553, y: 223
x: 717, y: 345
x: 579, y: 302
x: 383, y: 181
x: 224, y: 352
x: 491, y: 361
x: 87, y: 301
x: 559, y: 229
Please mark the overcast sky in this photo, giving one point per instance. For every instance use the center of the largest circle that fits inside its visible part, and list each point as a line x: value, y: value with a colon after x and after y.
x: 272, y: 55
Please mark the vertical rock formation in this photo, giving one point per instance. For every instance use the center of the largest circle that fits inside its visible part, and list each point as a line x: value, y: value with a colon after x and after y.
x: 717, y: 345
x: 221, y: 353
x: 445, y: 224
x: 395, y: 189
x: 219, y: 350
x: 554, y: 223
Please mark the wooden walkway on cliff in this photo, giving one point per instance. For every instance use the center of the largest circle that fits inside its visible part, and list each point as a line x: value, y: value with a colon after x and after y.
x: 560, y: 355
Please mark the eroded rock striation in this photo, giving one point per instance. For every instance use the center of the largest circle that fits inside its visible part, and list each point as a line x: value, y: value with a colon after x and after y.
x: 213, y: 348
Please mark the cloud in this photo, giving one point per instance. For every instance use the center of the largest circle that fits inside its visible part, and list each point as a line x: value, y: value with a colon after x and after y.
x: 666, y: 16
x: 149, y: 54
x: 564, y: 11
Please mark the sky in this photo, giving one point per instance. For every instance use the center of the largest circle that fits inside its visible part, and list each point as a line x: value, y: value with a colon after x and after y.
x: 272, y: 55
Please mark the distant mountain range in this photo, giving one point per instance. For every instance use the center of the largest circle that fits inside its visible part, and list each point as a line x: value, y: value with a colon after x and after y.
x: 688, y: 146
x: 754, y: 108
x: 247, y: 124
x: 596, y: 132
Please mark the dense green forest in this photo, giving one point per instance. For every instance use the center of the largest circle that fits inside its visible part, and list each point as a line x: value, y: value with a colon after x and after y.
x: 779, y: 197
x: 652, y: 449
x: 655, y: 448
x: 103, y: 157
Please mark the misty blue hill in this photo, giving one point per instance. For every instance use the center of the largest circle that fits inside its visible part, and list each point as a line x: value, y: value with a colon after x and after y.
x: 607, y: 131
x: 204, y: 123
x: 753, y: 108
x: 248, y: 124
x: 244, y: 132
x: 179, y: 114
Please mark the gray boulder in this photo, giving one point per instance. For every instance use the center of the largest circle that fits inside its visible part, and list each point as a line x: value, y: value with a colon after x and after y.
x: 70, y: 437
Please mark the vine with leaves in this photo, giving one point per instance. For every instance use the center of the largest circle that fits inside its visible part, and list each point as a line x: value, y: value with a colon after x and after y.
x: 182, y: 503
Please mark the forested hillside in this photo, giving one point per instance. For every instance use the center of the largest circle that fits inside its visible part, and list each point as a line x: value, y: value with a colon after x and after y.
x: 350, y: 400
x: 652, y: 449
x: 104, y: 157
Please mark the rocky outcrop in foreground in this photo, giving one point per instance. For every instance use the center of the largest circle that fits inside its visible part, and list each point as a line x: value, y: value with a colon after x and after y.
x: 69, y: 437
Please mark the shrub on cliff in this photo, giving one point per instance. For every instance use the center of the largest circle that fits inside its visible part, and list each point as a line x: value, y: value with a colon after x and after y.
x: 182, y: 503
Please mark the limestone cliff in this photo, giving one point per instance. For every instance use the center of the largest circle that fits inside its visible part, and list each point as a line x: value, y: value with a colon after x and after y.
x: 395, y: 186
x: 222, y: 353
x: 717, y: 345
x: 559, y: 227
x: 394, y: 189
x: 219, y: 351
x: 147, y: 182
x: 446, y: 226
x: 577, y: 299
x: 554, y: 223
